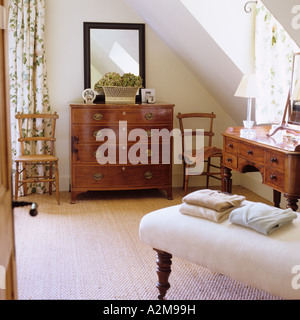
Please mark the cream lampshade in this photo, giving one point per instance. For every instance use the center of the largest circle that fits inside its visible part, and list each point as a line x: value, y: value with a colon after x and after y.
x: 248, y: 88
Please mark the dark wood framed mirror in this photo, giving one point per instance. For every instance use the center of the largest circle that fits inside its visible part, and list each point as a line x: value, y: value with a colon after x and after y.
x: 113, y: 47
x: 291, y: 117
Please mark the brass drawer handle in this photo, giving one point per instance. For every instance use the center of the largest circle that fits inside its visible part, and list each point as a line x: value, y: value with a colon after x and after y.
x: 273, y: 159
x: 97, y: 154
x: 149, y: 116
x: 250, y: 152
x: 229, y: 160
x: 97, y: 176
x: 97, y: 116
x: 98, y: 134
x: 273, y: 176
x: 230, y: 145
x: 148, y: 175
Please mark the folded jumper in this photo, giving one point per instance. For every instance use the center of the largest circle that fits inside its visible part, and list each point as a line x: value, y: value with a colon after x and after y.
x: 213, y: 199
x: 202, y: 212
x: 262, y: 217
x: 210, y: 204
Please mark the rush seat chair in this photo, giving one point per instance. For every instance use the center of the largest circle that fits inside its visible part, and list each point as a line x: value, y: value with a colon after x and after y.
x: 209, y: 152
x: 48, y: 160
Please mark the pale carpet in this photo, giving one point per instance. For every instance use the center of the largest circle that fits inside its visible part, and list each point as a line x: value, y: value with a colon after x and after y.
x: 91, y: 250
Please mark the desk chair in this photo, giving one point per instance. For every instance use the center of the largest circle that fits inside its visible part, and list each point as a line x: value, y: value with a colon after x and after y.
x: 188, y: 156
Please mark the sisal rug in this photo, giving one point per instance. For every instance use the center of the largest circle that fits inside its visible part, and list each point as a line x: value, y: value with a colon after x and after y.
x: 91, y: 250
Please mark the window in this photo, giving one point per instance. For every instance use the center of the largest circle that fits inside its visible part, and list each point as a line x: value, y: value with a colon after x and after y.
x: 274, y: 51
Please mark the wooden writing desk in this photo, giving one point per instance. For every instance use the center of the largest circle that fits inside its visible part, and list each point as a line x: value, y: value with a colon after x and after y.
x: 277, y: 161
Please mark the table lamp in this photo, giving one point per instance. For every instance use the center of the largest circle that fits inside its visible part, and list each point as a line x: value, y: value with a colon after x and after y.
x: 248, y: 88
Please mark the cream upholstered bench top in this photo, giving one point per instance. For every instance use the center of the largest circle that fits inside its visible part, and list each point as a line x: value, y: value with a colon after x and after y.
x: 271, y: 263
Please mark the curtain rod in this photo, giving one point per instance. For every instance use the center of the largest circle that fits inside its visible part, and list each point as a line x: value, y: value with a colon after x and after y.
x: 246, y: 8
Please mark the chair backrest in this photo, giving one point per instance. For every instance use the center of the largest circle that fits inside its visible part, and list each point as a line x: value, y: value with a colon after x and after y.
x: 31, y: 131
x: 208, y: 132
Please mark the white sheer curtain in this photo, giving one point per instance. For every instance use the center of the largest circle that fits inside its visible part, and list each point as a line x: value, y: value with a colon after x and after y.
x: 274, y: 50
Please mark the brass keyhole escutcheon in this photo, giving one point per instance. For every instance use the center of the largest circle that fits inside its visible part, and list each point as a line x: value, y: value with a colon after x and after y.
x: 148, y: 153
x: 149, y: 116
x: 149, y: 133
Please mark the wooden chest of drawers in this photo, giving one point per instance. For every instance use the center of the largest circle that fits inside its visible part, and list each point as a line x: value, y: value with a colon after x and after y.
x: 115, y: 147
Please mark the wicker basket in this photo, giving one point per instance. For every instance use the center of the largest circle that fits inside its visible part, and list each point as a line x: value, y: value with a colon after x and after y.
x: 120, y: 95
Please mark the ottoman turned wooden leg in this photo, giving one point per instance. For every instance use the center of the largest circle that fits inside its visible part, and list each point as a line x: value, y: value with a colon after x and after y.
x: 163, y: 270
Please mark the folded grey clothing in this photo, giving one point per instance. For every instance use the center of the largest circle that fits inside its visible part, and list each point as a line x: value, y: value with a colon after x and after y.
x: 202, y: 212
x: 213, y: 199
x: 262, y: 217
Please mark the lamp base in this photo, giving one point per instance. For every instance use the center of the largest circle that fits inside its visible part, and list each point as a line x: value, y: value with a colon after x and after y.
x: 248, y: 124
x: 248, y: 133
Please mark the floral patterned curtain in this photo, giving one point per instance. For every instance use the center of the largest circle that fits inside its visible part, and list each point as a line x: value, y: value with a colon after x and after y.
x: 27, y: 74
x: 274, y: 50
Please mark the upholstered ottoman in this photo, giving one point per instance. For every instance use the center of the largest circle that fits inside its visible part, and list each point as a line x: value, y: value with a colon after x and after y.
x: 271, y: 263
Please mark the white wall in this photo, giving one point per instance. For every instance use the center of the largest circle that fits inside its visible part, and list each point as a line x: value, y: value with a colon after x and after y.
x: 173, y: 82
x: 64, y: 54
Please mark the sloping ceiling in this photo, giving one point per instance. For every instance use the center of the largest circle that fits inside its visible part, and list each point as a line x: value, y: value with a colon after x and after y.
x: 200, y: 50
x: 196, y: 48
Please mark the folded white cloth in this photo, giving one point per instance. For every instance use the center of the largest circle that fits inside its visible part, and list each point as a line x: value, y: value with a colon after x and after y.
x: 202, y: 212
x: 213, y: 199
x: 262, y: 217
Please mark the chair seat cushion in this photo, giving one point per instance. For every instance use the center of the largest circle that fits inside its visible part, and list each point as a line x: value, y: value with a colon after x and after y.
x: 271, y: 263
x: 37, y: 157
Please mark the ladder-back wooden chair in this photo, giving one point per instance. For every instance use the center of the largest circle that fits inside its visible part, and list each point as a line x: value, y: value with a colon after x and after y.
x: 209, y: 152
x: 48, y: 160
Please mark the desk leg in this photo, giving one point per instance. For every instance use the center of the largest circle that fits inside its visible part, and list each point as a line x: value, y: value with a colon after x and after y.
x: 227, y: 182
x: 292, y: 202
x: 276, y: 198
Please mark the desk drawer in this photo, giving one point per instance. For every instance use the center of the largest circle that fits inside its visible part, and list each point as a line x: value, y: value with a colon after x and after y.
x: 275, y: 160
x: 231, y: 145
x: 274, y: 178
x: 230, y: 160
x: 252, y: 153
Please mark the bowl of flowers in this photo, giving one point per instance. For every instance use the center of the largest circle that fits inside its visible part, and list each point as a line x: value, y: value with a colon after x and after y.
x: 119, y: 89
